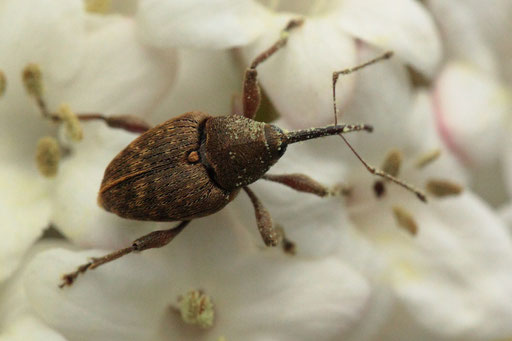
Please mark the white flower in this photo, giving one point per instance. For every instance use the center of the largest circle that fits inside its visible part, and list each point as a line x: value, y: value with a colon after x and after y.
x: 298, y: 78
x: 472, y: 95
x: 78, y: 68
x: 256, y: 293
x: 450, y: 280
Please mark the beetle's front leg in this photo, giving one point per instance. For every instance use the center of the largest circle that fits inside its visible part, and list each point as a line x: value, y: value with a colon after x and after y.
x: 151, y: 240
x: 270, y: 235
x: 251, y: 91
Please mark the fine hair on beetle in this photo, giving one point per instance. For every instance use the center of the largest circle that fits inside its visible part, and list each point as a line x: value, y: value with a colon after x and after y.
x: 193, y: 165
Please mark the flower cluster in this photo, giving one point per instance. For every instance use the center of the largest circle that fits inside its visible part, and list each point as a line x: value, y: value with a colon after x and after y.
x: 368, y: 262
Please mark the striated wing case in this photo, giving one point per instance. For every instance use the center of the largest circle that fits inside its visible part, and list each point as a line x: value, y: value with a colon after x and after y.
x: 151, y: 179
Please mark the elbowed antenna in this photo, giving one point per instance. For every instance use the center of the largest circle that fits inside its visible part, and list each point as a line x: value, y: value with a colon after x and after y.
x: 313, y: 133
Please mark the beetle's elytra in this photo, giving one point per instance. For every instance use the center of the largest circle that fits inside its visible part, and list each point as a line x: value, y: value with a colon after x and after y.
x: 193, y: 165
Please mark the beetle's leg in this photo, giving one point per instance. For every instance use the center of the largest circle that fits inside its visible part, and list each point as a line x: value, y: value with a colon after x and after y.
x: 151, y: 240
x: 269, y: 234
x: 129, y: 123
x: 251, y: 90
x: 299, y: 182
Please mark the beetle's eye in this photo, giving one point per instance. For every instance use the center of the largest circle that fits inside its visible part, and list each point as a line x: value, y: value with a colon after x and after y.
x: 193, y: 157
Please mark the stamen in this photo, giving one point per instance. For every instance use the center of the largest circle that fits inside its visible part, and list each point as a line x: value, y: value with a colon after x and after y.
x: 341, y: 189
x: 3, y: 83
x: 428, y: 158
x: 288, y: 246
x: 33, y: 80
x: 197, y: 308
x: 392, y: 162
x: 98, y: 6
x: 405, y: 220
x: 71, y: 122
x: 48, y: 156
x: 443, y: 188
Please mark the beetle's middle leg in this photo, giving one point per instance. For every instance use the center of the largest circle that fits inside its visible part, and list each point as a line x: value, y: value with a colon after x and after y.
x: 151, y: 240
x: 271, y: 237
x: 251, y: 91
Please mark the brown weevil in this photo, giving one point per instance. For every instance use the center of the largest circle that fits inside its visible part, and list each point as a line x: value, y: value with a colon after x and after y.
x: 195, y: 164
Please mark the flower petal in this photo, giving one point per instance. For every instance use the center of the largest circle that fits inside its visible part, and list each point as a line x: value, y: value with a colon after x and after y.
x: 48, y: 32
x: 470, y: 108
x: 206, y: 80
x: 298, y: 78
x: 99, y: 306
x: 119, y: 75
x: 200, y: 23
x: 29, y: 328
x: 455, y: 276
x: 468, y: 36
x: 76, y: 212
x: 405, y: 28
x: 25, y: 212
x: 271, y: 297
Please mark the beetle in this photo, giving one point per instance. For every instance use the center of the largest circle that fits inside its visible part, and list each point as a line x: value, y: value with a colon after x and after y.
x: 193, y: 165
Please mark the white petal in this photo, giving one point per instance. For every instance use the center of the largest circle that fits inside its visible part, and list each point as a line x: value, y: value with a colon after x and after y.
x: 298, y: 78
x: 403, y: 27
x: 455, y: 276
x: 271, y: 297
x: 206, y: 80
x: 48, y: 32
x: 120, y: 301
x: 76, y: 212
x: 29, y: 328
x: 200, y: 23
x: 383, y: 99
x: 468, y: 35
x: 118, y: 75
x: 24, y: 213
x: 470, y: 109
x: 313, y: 223
x: 506, y: 214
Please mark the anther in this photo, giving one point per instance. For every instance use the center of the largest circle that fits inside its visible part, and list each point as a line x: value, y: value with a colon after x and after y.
x: 98, y: 6
x: 33, y: 80
x: 392, y: 162
x: 48, y: 156
x: 428, y: 158
x: 3, y: 83
x: 197, y: 308
x: 405, y: 220
x: 443, y: 188
x: 71, y: 122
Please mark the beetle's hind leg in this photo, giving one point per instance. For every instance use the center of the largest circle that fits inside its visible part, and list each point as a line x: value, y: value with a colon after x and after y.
x: 151, y: 240
x: 251, y: 91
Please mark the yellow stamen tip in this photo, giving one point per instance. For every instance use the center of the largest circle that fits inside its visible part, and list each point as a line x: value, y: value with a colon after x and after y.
x: 48, y: 156
x: 33, y: 80
x: 3, y: 83
x: 428, y: 158
x: 197, y: 308
x: 405, y: 220
x: 392, y: 162
x: 443, y: 188
x: 98, y: 6
x: 71, y: 122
